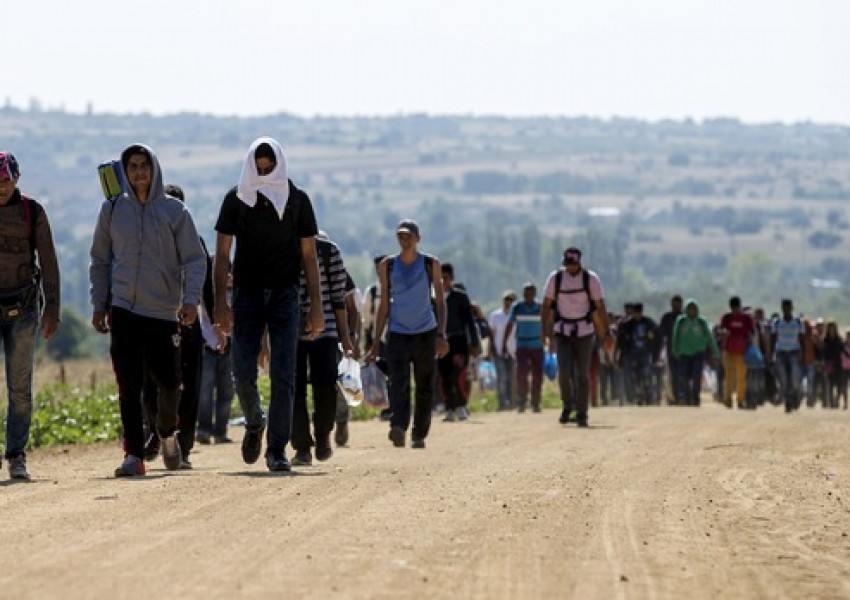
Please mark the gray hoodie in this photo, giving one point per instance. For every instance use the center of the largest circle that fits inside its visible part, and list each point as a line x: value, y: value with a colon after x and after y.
x: 150, y: 253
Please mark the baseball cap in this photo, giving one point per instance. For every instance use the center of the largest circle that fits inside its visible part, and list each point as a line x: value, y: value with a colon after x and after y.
x: 407, y: 226
x: 572, y: 256
x: 9, y: 166
x: 509, y: 295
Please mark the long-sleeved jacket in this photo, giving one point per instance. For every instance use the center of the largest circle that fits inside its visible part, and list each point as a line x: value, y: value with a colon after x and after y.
x: 148, y: 257
x: 693, y: 336
x: 460, y: 320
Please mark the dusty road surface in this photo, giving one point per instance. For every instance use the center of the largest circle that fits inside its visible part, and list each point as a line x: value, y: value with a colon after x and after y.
x: 647, y: 503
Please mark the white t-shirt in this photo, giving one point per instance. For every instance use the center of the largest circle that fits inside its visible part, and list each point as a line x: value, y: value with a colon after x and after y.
x: 498, y: 324
x: 573, y: 305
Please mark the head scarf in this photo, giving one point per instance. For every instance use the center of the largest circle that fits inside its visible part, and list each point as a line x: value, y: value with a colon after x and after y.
x: 274, y: 186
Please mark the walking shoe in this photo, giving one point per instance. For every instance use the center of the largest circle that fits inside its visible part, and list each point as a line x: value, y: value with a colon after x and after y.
x: 302, y: 458
x: 202, y: 438
x: 462, y: 413
x: 323, y: 448
x: 451, y: 416
x: 276, y: 461
x: 252, y: 444
x: 152, y: 447
x: 223, y: 439
x: 171, y: 454
x: 565, y: 416
x: 521, y: 408
x: 18, y: 468
x: 536, y: 408
x: 581, y: 421
x: 132, y: 466
x: 417, y: 443
x: 397, y: 437
x: 185, y: 464
x: 341, y: 433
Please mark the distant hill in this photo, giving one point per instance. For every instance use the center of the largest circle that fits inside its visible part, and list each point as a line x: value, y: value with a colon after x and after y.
x: 659, y: 207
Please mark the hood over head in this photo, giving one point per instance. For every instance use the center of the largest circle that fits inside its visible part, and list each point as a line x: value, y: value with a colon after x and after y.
x: 157, y: 189
x: 274, y: 186
x: 692, y: 302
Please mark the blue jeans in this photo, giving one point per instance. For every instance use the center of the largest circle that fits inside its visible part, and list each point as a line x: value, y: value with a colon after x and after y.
x: 19, y: 346
x: 253, y: 311
x: 216, y: 393
x: 789, y: 372
x: 504, y: 379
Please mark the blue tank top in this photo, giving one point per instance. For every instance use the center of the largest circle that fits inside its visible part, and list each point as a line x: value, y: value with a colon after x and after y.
x: 410, y: 297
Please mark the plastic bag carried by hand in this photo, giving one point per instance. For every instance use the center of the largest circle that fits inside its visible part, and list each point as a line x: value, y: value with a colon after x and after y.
x: 349, y: 381
x: 550, y: 365
x: 487, y: 375
x: 374, y: 386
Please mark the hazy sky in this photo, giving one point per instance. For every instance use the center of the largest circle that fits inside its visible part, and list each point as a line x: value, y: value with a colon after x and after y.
x: 767, y: 60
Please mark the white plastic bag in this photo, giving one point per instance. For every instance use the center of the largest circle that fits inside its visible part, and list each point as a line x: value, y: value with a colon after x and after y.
x: 374, y: 386
x: 349, y: 382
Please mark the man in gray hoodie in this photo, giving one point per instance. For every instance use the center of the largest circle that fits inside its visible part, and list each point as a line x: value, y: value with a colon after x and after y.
x: 147, y: 272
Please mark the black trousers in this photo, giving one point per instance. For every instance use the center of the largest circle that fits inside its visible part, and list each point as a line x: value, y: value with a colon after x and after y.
x: 402, y: 350
x: 453, y: 373
x: 321, y: 355
x: 191, y: 362
x: 139, y: 346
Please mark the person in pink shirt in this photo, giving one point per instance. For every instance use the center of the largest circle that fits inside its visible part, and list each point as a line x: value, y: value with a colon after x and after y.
x: 737, y: 329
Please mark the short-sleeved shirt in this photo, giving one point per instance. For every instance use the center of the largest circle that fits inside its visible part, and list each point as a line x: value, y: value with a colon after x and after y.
x: 574, y: 305
x: 526, y: 319
x: 787, y: 334
x: 498, y: 324
x: 268, y: 248
x: 739, y: 327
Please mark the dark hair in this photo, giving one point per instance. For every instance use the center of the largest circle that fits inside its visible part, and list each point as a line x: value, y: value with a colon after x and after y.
x: 676, y: 298
x: 448, y: 269
x: 172, y: 189
x: 637, y: 307
x: 265, y: 150
x: 134, y: 150
x: 734, y: 302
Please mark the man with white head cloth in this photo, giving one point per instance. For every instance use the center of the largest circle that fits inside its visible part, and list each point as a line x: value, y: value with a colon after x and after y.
x: 275, y: 228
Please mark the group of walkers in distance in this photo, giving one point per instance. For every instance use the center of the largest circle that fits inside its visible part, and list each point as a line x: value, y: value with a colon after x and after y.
x: 189, y: 328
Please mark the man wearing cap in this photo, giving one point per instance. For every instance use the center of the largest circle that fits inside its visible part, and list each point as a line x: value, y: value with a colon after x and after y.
x: 575, y: 297
x: 501, y: 353
x: 416, y: 334
x: 29, y: 281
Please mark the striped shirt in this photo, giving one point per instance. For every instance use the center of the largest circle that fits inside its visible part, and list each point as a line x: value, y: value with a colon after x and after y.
x: 787, y: 334
x: 333, y: 276
x: 528, y: 326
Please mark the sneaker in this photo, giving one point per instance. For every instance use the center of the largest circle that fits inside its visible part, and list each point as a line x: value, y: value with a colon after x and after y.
x: 185, y: 464
x: 252, y: 444
x: 323, y: 449
x: 171, y: 455
x: 397, y: 437
x: 462, y: 413
x: 277, y: 461
x: 417, y: 443
x: 581, y: 421
x: 451, y: 416
x: 132, y: 466
x: 18, y: 468
x: 223, y: 439
x: 152, y: 447
x: 565, y: 416
x: 536, y: 408
x: 302, y: 458
x: 341, y: 433
x: 203, y: 438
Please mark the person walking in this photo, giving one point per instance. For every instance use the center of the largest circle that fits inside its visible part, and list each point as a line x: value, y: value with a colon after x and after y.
x: 462, y: 335
x: 147, y: 272
x: 29, y: 292
x: 691, y: 337
x: 525, y: 318
x: 575, y: 299
x: 676, y: 392
x: 274, y: 226
x: 502, y: 349
x: 786, y: 351
x: 417, y: 335
x: 737, y: 329
x: 319, y: 354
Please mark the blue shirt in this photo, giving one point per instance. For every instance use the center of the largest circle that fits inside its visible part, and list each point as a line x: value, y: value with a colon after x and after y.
x: 787, y: 334
x: 410, y: 297
x: 528, y: 326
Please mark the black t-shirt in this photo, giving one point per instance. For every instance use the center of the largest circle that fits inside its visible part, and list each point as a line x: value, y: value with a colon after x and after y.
x: 268, y: 249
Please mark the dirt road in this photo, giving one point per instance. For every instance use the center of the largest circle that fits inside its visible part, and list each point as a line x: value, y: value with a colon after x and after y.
x: 647, y: 503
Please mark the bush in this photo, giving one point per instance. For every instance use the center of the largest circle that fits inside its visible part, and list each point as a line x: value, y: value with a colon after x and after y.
x: 66, y: 415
